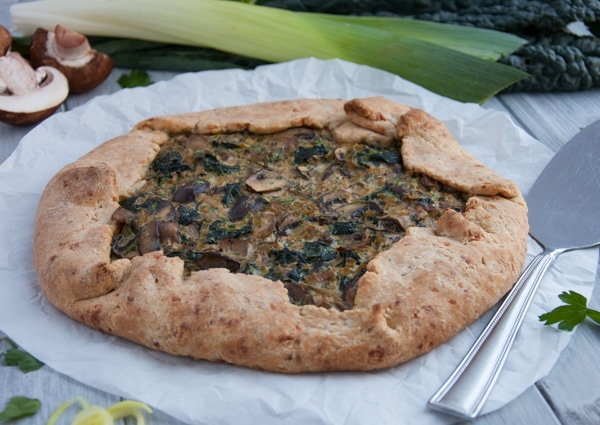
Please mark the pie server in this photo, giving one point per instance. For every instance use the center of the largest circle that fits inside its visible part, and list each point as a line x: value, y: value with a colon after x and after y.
x: 564, y: 215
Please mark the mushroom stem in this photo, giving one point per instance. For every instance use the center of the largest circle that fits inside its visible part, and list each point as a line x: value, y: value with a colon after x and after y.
x: 17, y: 76
x: 69, y: 47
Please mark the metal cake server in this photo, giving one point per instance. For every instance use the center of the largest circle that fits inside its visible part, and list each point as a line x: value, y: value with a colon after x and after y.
x: 564, y: 215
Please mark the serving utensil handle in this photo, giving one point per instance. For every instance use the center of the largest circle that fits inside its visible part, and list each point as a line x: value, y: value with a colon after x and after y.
x: 466, y: 390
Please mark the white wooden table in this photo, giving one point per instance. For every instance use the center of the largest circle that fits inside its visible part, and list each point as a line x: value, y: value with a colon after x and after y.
x: 569, y: 395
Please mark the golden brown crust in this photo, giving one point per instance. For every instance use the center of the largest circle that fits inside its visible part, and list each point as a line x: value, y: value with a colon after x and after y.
x: 418, y: 294
x: 428, y: 147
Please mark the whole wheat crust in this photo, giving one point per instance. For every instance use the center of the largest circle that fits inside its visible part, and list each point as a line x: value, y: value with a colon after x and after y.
x: 413, y: 297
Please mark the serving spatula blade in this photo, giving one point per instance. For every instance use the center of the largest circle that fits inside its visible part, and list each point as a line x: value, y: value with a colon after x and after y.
x: 564, y: 202
x: 564, y: 212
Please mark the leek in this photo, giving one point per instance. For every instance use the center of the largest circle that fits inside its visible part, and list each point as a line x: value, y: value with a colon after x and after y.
x: 95, y: 415
x: 277, y: 35
x: 483, y: 43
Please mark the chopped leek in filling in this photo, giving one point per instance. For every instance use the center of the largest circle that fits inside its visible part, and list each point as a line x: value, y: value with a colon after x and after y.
x: 291, y: 206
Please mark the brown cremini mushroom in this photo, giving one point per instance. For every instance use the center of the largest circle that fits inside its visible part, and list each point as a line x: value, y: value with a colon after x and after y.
x: 71, y: 53
x: 27, y: 96
x: 5, y: 40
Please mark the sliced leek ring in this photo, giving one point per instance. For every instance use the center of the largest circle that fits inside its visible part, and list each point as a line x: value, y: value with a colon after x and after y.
x: 96, y: 415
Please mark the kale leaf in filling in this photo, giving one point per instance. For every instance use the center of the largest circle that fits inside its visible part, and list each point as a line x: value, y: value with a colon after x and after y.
x: 293, y: 206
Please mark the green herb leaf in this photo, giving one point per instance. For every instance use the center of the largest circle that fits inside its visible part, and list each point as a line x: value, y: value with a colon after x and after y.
x: 571, y: 314
x: 20, y: 407
x: 446, y: 59
x: 594, y: 315
x: 16, y: 357
x: 135, y: 78
x: 25, y: 361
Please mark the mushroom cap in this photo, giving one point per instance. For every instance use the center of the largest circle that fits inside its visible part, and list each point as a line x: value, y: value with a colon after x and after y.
x: 85, y: 70
x: 266, y: 181
x: 5, y: 40
x: 38, y: 104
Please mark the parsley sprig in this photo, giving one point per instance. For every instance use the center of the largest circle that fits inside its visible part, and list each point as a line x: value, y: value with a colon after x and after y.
x: 135, y: 78
x: 20, y: 407
x: 22, y: 359
x: 572, y: 313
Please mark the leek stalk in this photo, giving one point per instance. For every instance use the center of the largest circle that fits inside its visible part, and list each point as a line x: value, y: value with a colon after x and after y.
x: 278, y: 35
x: 483, y: 43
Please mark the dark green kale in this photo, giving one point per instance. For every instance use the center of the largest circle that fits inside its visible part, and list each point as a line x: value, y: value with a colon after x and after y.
x: 344, y: 228
x: 318, y: 251
x: 515, y: 16
x: 557, y: 62
x: 287, y: 256
x: 376, y: 155
x: 169, y: 162
x: 213, y: 165
x: 354, y: 7
x: 217, y: 230
x: 230, y: 193
x: 303, y: 154
x: 555, y: 59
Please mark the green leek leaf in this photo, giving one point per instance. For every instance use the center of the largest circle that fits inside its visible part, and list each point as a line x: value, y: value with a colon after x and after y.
x: 483, y: 43
x: 277, y: 35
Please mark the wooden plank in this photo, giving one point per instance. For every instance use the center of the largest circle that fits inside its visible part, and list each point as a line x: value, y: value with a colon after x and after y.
x: 553, y: 118
x: 48, y: 386
x: 572, y: 385
x: 9, y: 135
x: 528, y: 409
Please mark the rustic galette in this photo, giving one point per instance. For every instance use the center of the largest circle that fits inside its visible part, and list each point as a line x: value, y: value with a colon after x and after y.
x: 290, y: 236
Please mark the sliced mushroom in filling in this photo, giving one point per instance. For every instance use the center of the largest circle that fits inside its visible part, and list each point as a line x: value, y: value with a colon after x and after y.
x: 285, y: 206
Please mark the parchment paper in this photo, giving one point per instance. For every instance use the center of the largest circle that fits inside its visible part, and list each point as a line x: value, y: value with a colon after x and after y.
x: 200, y: 392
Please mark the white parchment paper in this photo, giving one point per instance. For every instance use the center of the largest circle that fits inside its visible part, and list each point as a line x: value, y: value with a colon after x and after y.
x: 200, y: 392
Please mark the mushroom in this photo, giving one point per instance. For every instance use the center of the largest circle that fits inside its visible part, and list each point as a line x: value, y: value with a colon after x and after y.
x: 125, y: 244
x: 298, y: 294
x: 245, y: 205
x: 216, y: 260
x: 337, y: 197
x: 28, y: 96
x: 187, y: 193
x: 341, y: 153
x: 349, y: 289
x: 168, y: 232
x: 235, y: 246
x: 403, y: 222
x: 264, y: 227
x: 289, y: 221
x: 122, y: 215
x: 353, y: 210
x: 71, y: 53
x: 164, y: 211
x: 149, y: 237
x: 5, y: 40
x: 265, y: 181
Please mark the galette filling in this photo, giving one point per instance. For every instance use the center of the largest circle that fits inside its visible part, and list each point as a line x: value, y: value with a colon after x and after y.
x: 291, y: 206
